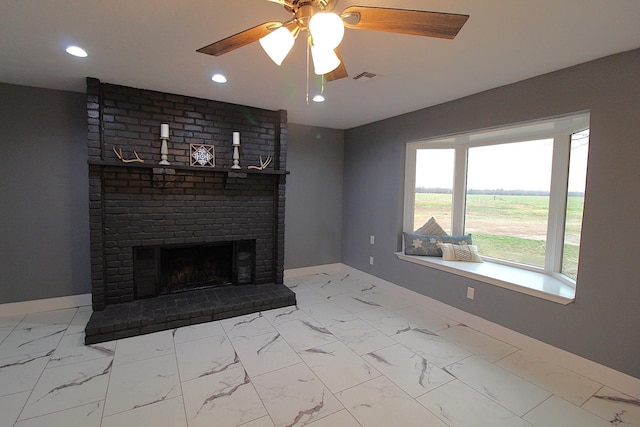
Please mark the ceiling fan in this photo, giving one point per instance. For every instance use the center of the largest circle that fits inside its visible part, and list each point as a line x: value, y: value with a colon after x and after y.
x: 326, y: 29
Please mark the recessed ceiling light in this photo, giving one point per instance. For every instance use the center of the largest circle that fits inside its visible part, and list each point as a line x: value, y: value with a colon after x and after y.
x: 77, y: 51
x: 219, y: 78
x: 318, y: 98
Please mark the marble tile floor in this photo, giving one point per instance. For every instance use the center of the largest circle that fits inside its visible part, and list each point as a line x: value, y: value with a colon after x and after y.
x: 350, y: 354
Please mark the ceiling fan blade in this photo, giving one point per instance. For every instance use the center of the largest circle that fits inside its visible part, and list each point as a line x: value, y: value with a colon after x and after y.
x: 241, y: 39
x: 404, y: 21
x: 339, y: 73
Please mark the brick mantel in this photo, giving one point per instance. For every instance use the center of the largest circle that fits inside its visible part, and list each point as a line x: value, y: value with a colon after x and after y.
x: 145, y: 204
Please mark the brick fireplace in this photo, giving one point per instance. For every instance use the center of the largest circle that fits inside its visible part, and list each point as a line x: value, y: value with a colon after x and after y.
x: 178, y: 244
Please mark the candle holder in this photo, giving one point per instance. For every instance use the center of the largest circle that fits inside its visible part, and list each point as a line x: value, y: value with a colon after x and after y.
x: 164, y: 150
x: 236, y: 157
x: 236, y: 153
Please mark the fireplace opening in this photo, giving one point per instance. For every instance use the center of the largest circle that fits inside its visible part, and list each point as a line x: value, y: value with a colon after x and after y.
x: 195, y: 267
x: 160, y: 270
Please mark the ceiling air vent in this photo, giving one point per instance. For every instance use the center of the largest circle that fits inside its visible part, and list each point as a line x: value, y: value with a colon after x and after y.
x: 366, y: 75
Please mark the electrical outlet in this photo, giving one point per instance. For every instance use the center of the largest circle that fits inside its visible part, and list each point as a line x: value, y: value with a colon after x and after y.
x: 471, y: 293
x: 372, y: 239
x: 371, y: 260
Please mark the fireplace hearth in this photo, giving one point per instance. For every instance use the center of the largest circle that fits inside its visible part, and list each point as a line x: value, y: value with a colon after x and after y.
x: 177, y: 244
x: 180, y: 309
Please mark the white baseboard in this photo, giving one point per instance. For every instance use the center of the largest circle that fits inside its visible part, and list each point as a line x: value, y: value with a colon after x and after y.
x: 316, y: 269
x: 48, y: 304
x: 578, y: 364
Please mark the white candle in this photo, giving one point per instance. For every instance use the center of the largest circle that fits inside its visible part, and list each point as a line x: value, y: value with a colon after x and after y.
x: 164, y: 130
x: 236, y: 138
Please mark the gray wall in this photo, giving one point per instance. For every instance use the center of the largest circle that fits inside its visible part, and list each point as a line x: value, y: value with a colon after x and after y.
x: 44, y: 216
x: 602, y: 324
x: 313, y: 209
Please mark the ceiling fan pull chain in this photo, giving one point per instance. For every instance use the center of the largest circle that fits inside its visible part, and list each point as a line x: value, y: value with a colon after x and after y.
x: 308, y: 47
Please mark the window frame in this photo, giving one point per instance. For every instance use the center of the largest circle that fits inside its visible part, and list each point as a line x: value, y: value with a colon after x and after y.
x: 558, y: 128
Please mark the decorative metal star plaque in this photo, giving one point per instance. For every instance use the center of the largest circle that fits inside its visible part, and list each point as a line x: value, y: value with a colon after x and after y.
x: 203, y: 155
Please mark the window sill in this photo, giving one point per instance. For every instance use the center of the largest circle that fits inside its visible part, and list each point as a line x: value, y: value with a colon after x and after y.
x: 527, y: 282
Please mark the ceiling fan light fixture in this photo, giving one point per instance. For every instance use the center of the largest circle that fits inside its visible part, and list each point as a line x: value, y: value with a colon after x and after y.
x: 324, y: 60
x: 326, y: 29
x: 278, y: 44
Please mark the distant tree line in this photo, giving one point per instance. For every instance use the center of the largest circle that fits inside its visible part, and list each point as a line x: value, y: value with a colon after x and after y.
x: 495, y: 192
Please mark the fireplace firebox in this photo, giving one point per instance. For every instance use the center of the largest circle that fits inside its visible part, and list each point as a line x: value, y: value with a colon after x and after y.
x: 159, y: 270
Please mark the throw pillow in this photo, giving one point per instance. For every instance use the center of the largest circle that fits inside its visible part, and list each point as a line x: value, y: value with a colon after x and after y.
x: 431, y: 227
x: 460, y: 252
x: 427, y: 244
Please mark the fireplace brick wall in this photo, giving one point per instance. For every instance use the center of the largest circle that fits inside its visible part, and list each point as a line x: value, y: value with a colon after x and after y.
x: 145, y: 204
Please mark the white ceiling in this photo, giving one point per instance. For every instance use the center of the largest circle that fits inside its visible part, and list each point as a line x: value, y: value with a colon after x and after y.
x: 152, y: 44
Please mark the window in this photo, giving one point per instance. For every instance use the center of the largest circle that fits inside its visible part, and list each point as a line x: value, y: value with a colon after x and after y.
x: 518, y: 190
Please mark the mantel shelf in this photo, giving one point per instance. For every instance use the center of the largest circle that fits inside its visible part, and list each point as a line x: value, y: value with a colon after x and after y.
x: 188, y: 168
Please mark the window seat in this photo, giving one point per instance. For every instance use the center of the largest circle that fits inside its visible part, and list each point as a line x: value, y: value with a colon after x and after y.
x: 516, y: 279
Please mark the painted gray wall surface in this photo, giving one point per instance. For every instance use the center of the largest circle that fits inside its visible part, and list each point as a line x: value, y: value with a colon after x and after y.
x: 44, y: 215
x: 602, y: 324
x: 313, y: 208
